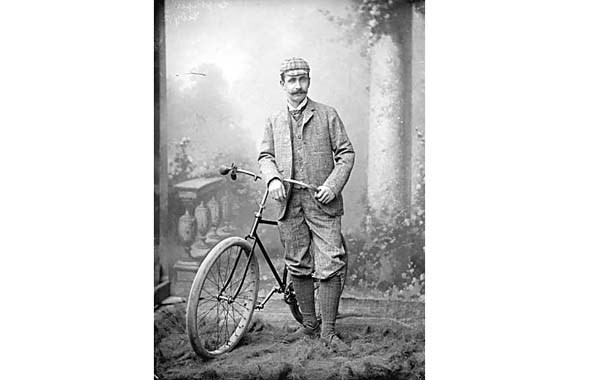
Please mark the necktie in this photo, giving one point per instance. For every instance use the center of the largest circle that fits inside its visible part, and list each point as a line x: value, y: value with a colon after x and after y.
x: 296, y: 114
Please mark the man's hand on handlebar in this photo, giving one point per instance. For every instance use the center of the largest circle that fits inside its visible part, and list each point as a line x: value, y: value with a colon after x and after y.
x: 276, y: 190
x: 325, y: 194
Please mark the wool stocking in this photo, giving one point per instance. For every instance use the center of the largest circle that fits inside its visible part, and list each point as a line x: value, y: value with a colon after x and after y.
x: 303, y: 286
x: 329, y: 300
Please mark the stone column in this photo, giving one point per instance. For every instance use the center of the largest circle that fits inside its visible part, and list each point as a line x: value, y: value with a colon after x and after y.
x: 388, y: 169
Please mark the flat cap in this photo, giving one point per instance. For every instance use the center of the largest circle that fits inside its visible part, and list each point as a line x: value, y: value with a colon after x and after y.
x: 294, y: 66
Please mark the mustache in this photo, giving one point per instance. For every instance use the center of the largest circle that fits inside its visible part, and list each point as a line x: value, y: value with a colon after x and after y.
x: 299, y: 92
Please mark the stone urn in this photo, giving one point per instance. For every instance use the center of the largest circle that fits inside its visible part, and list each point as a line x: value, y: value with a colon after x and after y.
x: 186, y: 231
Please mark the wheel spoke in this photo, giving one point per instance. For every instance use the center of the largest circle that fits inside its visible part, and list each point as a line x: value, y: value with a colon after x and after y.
x: 239, y: 279
x: 205, y: 300
x: 208, y: 311
x: 211, y: 281
x: 242, y: 315
x: 217, y: 326
x: 226, y: 329
x: 208, y: 292
x: 238, y: 271
x: 227, y: 267
x: 220, y: 277
x: 233, y: 315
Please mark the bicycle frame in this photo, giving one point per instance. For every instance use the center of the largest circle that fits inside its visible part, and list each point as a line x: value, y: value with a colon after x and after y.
x: 253, y: 236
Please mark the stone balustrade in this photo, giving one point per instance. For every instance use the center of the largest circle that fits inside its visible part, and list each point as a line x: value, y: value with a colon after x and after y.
x: 206, y: 219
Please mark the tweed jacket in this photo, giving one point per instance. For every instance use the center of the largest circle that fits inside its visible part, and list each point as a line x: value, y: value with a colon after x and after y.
x: 327, y: 152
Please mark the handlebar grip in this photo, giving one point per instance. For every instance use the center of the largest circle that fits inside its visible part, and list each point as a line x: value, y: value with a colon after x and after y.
x: 223, y: 170
x: 233, y: 169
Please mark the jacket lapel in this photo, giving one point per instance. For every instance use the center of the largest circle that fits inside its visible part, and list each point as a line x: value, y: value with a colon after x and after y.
x: 308, y: 112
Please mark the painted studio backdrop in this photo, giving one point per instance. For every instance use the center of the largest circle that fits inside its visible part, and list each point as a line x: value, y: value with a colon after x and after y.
x: 217, y: 79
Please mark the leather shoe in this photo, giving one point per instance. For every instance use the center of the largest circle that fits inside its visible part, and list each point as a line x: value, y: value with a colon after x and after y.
x: 335, y: 344
x: 302, y: 332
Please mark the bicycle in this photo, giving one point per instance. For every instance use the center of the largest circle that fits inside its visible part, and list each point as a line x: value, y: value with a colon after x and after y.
x: 224, y: 292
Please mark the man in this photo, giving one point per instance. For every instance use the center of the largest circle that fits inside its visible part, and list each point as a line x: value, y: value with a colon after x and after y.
x: 306, y: 141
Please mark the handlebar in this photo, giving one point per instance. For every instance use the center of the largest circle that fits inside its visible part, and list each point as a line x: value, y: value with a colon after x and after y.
x: 303, y: 184
x: 233, y: 169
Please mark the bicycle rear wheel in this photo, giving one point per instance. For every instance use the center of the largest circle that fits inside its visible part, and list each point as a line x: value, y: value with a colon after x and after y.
x: 217, y: 318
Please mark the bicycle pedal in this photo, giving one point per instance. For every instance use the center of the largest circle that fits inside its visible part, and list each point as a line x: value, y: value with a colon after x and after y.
x: 290, y: 299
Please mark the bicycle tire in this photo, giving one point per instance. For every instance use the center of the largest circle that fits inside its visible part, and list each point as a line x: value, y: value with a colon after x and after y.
x: 216, y: 325
x: 292, y: 301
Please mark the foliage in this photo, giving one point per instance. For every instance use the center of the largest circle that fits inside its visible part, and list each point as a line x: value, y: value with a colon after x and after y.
x: 379, y: 15
x: 390, y: 257
x: 244, y: 191
x: 181, y: 167
x: 370, y: 19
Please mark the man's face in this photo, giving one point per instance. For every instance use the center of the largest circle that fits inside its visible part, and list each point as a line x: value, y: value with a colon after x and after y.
x: 296, y: 87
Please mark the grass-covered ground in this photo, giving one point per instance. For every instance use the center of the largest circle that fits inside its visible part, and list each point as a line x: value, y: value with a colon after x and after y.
x: 379, y: 350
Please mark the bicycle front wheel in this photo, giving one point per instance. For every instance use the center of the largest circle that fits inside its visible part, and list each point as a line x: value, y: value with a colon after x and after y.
x: 222, y: 298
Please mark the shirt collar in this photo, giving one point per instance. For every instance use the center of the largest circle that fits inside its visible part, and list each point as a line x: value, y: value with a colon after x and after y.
x: 299, y: 107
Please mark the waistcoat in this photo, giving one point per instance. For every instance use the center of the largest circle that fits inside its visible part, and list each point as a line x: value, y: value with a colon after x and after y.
x: 297, y: 143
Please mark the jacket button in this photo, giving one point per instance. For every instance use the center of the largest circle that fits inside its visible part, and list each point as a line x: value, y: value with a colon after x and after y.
x: 299, y: 137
